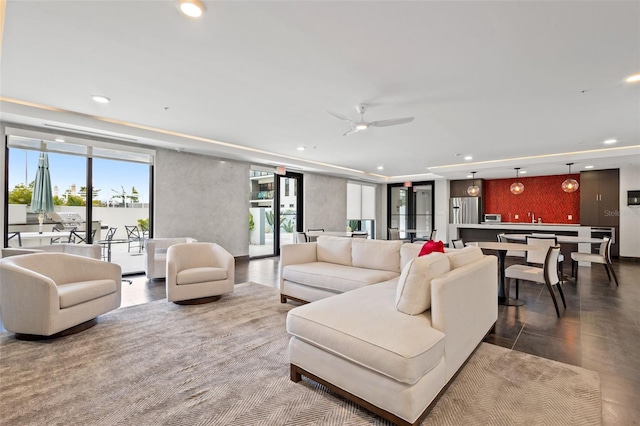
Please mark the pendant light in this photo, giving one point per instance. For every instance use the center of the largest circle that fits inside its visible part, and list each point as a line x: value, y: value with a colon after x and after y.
x: 517, y: 188
x: 473, y: 190
x: 570, y: 185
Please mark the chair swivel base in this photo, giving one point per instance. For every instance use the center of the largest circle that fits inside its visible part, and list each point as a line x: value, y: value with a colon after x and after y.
x: 69, y: 331
x: 198, y: 301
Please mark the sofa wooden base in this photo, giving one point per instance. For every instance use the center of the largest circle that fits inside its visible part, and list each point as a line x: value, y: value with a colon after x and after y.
x: 69, y: 331
x: 198, y: 301
x: 284, y: 297
x: 296, y: 374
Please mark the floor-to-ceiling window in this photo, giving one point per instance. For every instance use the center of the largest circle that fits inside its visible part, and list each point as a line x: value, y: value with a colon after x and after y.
x: 94, y: 187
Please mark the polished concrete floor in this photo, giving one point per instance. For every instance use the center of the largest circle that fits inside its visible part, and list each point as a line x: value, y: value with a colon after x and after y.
x: 599, y: 330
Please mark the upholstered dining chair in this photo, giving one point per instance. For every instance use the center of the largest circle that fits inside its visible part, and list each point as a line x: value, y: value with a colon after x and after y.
x: 432, y: 237
x: 457, y: 244
x: 603, y: 257
x: 198, y: 273
x: 547, y: 275
x: 301, y: 237
x: 537, y: 256
x: 521, y: 255
x: 44, y: 295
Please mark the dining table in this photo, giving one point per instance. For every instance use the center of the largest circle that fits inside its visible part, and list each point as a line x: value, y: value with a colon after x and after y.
x: 63, y: 235
x: 562, y: 239
x: 502, y: 249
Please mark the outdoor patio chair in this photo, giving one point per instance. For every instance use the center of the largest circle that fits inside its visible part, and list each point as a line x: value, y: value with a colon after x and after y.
x: 16, y: 235
x: 134, y: 237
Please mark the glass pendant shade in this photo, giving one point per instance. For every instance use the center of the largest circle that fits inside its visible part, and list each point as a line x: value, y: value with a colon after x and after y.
x: 570, y: 185
x: 473, y: 190
x: 517, y: 188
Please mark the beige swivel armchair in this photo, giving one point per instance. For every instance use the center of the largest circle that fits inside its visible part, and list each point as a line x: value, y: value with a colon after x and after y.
x: 198, y: 273
x: 53, y: 294
x: 156, y: 255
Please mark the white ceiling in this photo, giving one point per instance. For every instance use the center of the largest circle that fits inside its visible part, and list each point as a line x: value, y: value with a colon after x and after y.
x: 495, y: 80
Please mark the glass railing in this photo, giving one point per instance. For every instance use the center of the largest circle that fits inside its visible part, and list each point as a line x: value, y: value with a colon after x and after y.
x: 262, y: 195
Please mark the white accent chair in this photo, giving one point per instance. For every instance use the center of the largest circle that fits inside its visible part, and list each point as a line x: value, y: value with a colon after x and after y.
x: 156, y: 255
x: 86, y: 250
x: 198, y: 273
x: 547, y: 275
x: 603, y: 257
x: 54, y: 294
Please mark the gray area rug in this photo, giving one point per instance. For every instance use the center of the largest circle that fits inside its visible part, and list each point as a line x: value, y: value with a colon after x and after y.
x: 227, y: 363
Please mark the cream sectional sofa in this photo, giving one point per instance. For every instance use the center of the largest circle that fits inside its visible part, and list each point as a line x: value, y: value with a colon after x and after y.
x: 392, y: 347
x: 334, y: 265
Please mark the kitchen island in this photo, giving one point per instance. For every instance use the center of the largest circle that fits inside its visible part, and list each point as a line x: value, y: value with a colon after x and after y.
x: 489, y: 231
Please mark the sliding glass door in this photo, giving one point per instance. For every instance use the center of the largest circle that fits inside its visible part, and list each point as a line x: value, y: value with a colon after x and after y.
x: 410, y: 209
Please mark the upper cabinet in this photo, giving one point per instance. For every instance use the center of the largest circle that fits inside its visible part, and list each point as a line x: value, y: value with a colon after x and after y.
x: 600, y: 197
x: 458, y: 188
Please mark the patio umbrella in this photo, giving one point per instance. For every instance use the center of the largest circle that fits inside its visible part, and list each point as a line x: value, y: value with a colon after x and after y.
x: 42, y: 199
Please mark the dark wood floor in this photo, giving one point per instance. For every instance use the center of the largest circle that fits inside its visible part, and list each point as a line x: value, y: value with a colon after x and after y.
x: 599, y: 330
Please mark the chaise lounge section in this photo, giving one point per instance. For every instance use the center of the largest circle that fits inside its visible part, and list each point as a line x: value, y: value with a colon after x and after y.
x: 393, y: 347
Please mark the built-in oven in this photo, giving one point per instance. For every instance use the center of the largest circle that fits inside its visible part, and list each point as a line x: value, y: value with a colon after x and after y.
x: 492, y: 217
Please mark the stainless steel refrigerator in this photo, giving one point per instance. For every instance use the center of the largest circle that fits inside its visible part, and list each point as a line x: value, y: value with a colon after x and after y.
x: 464, y: 210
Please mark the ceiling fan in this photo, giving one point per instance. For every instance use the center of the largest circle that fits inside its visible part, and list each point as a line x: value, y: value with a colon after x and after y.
x: 361, y: 124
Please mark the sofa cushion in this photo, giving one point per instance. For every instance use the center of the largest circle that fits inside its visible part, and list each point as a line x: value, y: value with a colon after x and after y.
x: 409, y: 251
x: 364, y: 327
x: 431, y: 247
x: 338, y: 278
x: 376, y: 254
x: 464, y: 256
x: 334, y: 250
x: 200, y: 275
x: 72, y: 294
x: 413, y: 295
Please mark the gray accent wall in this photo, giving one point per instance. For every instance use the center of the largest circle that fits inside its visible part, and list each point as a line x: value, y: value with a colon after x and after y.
x: 325, y: 202
x: 204, y: 198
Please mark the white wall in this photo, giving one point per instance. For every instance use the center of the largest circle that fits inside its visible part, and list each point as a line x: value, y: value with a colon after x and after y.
x: 629, y: 238
x: 204, y: 198
x: 325, y: 202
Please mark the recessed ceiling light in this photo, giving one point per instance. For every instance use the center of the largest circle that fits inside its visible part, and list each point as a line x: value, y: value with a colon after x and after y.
x: 59, y: 140
x: 469, y: 176
x: 610, y: 141
x: 523, y: 172
x: 588, y: 167
x: 380, y: 167
x: 633, y: 78
x: 100, y: 99
x: 191, y: 8
x: 301, y: 148
x: 468, y: 157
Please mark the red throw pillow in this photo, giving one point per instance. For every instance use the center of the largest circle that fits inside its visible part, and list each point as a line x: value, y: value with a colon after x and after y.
x: 432, y: 246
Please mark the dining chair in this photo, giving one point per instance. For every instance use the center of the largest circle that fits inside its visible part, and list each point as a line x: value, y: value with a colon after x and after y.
x: 457, y: 244
x: 547, y: 275
x: 107, y: 242
x: 301, y: 237
x: 603, y: 257
x: 315, y: 230
x: 520, y: 254
x: 359, y: 234
x: 432, y: 237
x: 537, y: 256
x: 59, y: 228
x: 76, y: 238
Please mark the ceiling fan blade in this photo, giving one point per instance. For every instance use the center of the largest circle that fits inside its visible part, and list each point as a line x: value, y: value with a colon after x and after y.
x: 340, y: 116
x: 352, y: 130
x: 391, y: 122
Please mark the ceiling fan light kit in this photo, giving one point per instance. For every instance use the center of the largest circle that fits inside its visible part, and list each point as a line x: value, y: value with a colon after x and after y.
x: 361, y: 124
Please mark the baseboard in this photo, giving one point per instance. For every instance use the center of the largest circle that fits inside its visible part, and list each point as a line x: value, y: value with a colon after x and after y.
x: 629, y: 259
x: 243, y: 258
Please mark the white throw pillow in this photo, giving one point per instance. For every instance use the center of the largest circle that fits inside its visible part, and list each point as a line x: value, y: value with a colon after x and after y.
x: 413, y: 295
x: 464, y: 256
x: 334, y: 250
x: 376, y: 254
